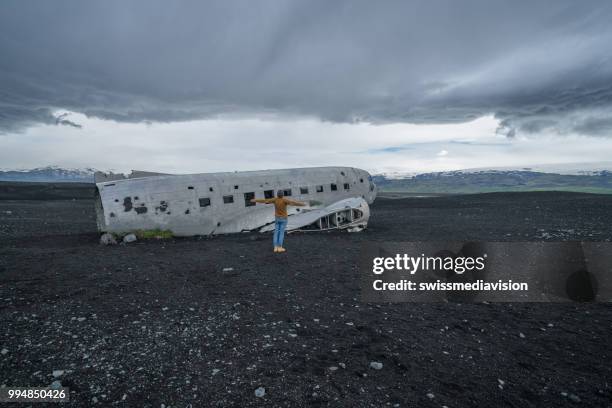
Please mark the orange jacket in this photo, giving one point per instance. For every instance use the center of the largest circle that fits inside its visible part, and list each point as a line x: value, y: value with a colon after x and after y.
x: 280, y: 205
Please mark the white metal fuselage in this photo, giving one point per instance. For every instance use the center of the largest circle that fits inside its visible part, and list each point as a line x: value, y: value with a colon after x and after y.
x: 219, y: 203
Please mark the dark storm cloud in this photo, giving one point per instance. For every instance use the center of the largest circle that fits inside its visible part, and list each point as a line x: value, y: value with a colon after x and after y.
x: 532, y: 64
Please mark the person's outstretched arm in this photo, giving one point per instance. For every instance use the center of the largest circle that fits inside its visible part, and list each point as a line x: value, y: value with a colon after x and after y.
x: 295, y: 203
x: 262, y: 200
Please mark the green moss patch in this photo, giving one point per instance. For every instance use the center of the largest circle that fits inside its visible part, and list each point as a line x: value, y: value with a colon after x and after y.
x: 154, y: 234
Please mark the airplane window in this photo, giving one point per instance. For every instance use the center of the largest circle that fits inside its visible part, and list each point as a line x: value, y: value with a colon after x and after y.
x: 269, y: 194
x: 228, y: 199
x: 204, y: 202
x: 303, y: 190
x: 236, y: 187
x: 347, y: 186
x: 190, y: 188
x: 287, y: 192
x: 247, y: 199
x: 333, y: 187
x: 342, y: 173
x: 210, y: 189
x: 361, y: 180
x: 319, y: 189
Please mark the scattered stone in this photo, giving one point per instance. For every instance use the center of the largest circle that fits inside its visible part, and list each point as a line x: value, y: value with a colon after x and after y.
x: 342, y: 365
x: 228, y: 269
x: 94, y: 400
x: 521, y: 335
x: 130, y: 238
x: 574, y: 398
x: 56, y: 385
x: 260, y: 392
x: 81, y: 319
x: 430, y: 395
x: 58, y: 373
x: 333, y: 368
x: 4, y: 351
x: 108, y: 239
x: 215, y: 371
x: 376, y: 365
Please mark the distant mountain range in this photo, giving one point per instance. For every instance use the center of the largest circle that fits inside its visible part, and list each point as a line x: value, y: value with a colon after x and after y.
x: 49, y: 174
x: 594, y: 178
x: 484, y: 181
x: 577, y: 169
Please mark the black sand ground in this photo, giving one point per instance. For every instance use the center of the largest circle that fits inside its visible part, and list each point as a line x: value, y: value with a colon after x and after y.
x: 166, y: 323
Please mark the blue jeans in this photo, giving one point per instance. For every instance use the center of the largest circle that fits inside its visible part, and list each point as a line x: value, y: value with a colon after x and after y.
x: 279, y: 231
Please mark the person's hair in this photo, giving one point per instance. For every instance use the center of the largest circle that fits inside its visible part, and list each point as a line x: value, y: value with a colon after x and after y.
x: 280, y: 193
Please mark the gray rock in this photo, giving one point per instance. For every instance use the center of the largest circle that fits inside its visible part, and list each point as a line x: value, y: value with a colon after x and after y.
x: 130, y: 238
x: 108, y: 239
x: 56, y: 385
x: 260, y: 392
x: 4, y: 351
x: 58, y: 373
x: 376, y: 365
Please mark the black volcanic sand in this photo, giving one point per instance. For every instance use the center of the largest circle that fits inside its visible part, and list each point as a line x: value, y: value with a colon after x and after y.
x: 168, y: 323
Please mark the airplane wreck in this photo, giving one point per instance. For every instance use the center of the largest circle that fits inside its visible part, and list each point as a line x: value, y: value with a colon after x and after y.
x: 220, y: 203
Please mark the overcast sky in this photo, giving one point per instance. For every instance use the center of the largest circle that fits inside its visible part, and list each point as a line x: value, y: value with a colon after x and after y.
x: 188, y: 86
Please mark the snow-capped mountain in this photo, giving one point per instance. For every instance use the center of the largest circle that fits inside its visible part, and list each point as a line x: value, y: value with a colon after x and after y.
x: 594, y: 178
x: 49, y: 174
x: 577, y: 169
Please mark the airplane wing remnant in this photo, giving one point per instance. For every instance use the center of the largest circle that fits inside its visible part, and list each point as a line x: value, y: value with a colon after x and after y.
x: 351, y: 214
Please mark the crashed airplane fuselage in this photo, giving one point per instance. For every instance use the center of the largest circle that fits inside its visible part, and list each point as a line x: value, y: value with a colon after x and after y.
x: 220, y: 203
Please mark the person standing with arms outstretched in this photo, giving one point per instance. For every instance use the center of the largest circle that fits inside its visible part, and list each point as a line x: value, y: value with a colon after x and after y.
x: 280, y: 213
